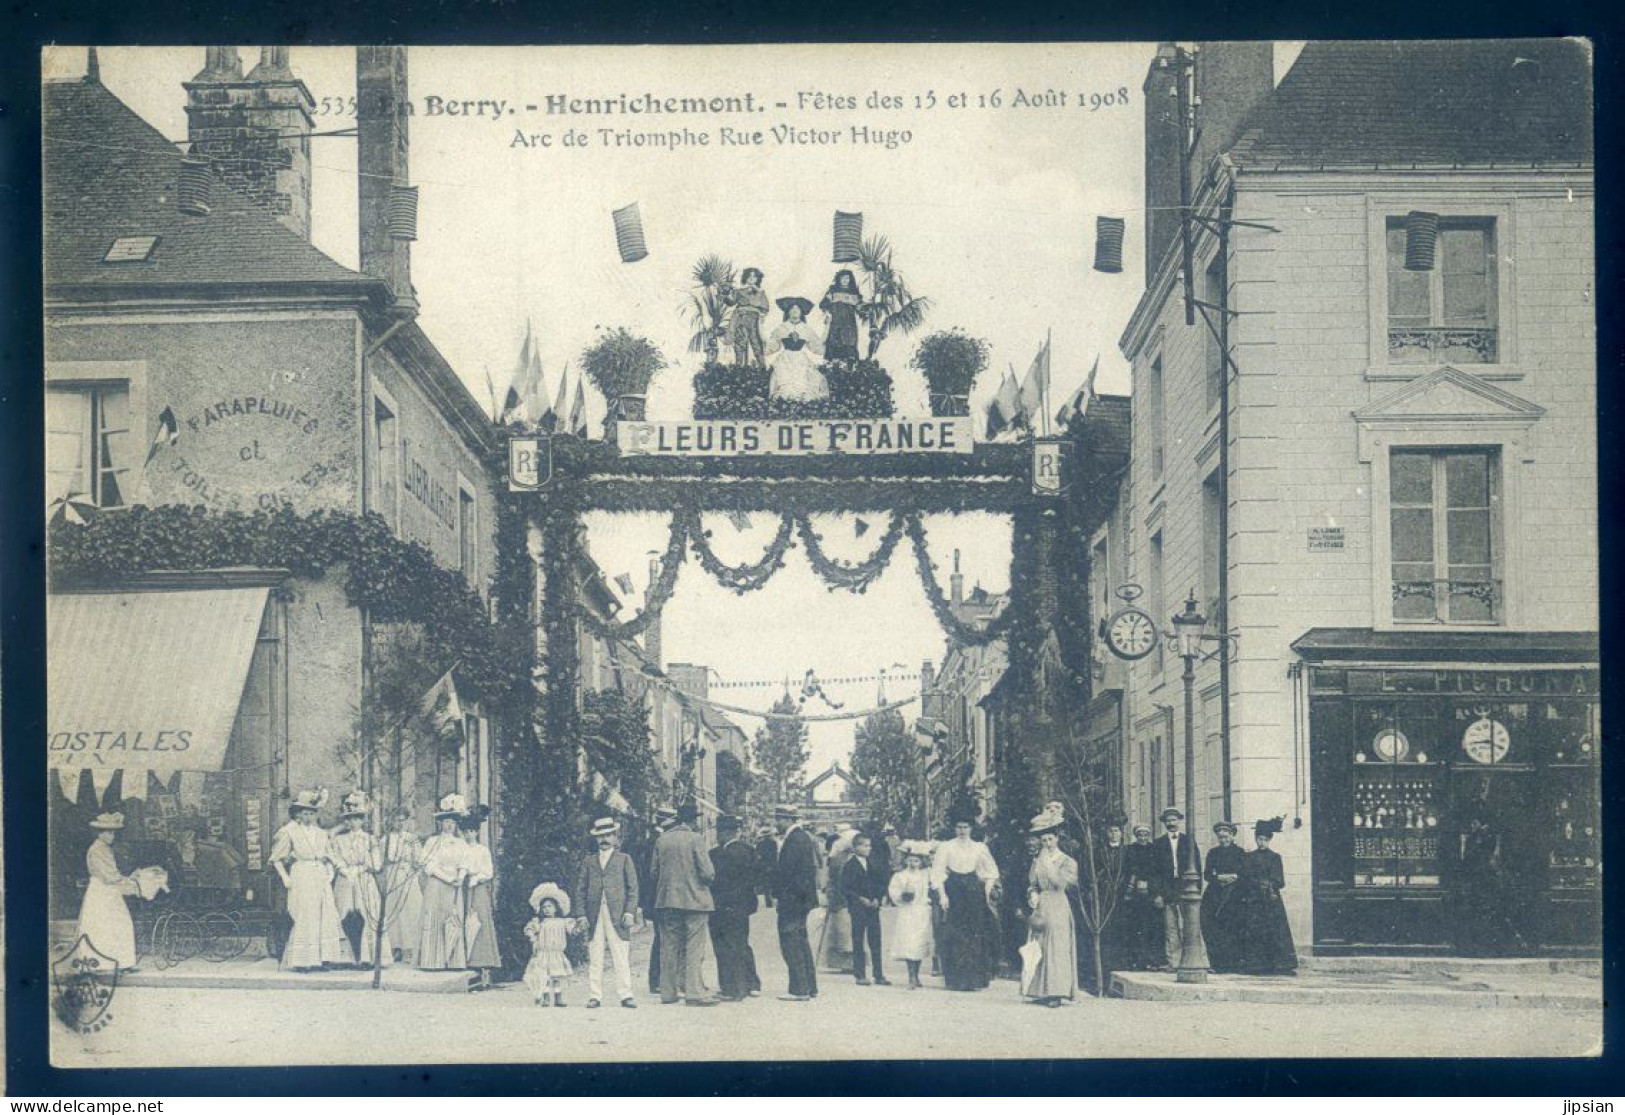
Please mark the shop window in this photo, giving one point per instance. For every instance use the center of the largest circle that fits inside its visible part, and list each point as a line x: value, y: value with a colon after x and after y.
x: 386, y: 459
x: 1448, y: 314
x: 1443, y: 523
x: 88, y: 442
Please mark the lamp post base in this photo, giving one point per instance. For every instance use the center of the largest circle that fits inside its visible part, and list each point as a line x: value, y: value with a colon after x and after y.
x: 1193, y: 949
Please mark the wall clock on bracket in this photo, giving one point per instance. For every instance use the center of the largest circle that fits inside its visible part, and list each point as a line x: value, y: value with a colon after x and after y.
x: 1486, y: 740
x: 1131, y: 633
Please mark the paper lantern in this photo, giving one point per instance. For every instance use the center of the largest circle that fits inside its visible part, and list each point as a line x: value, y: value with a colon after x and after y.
x: 1421, y: 240
x: 192, y: 194
x: 629, y: 234
x: 403, y: 212
x: 848, y: 237
x: 1109, y: 244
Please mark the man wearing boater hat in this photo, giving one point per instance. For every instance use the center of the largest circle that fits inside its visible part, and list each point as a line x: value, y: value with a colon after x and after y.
x: 606, y: 895
x: 1172, y: 853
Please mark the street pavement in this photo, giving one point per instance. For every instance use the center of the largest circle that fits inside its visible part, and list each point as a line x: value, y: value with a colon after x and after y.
x: 163, y: 1027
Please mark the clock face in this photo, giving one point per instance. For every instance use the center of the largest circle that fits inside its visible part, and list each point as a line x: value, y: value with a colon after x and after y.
x: 1486, y: 740
x: 1131, y: 634
x: 1391, y: 745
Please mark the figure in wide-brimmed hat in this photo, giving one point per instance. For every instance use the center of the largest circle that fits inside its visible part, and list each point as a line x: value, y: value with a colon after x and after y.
x: 549, y: 933
x: 479, y: 906
x: 1266, y: 944
x: 964, y: 875
x: 104, y: 918
x: 841, y: 303
x: 1175, y: 852
x: 607, y: 894
x: 357, y: 857
x: 748, y: 305
x: 441, y: 941
x: 794, y: 353
x: 1221, y: 904
x: 1052, y: 978
x: 302, y: 854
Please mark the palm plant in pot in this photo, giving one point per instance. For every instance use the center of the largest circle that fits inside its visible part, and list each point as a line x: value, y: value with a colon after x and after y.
x: 621, y: 364
x: 950, y: 360
x: 888, y: 304
x: 713, y: 279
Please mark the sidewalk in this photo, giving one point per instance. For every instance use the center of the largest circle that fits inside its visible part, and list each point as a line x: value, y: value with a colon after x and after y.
x: 1389, y: 981
x: 264, y: 974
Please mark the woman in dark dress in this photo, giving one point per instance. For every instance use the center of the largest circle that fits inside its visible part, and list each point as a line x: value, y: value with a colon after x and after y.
x: 1266, y: 944
x: 1221, y: 907
x: 840, y: 302
x: 1484, y: 927
x: 963, y: 877
x: 1142, y: 917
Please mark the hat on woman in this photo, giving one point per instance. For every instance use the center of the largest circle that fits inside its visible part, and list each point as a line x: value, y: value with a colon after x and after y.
x: 354, y: 805
x: 790, y: 302
x: 1138, y: 829
x: 921, y: 848
x: 308, y: 801
x: 1050, y: 820
x: 472, y: 819
x: 553, y: 891
x: 745, y: 275
x: 1270, y: 827
x: 964, y: 813
x: 451, y: 805
x: 1224, y: 826
x: 108, y: 821
x: 604, y: 826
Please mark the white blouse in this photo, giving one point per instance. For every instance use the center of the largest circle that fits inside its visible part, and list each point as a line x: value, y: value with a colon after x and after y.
x: 477, y: 862
x: 964, y: 857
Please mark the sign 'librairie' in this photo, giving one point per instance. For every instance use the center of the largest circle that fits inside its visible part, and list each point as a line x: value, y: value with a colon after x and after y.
x: 862, y: 436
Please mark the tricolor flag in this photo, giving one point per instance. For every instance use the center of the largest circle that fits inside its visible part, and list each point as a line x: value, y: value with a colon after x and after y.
x: 1077, y: 405
x: 533, y: 396
x: 441, y: 706
x: 623, y: 581
x: 515, y: 396
x: 169, y: 432
x: 1035, y: 388
x: 578, y: 411
x: 1004, y: 412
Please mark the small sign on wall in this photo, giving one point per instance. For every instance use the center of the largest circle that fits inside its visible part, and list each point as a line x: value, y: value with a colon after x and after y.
x: 1325, y: 539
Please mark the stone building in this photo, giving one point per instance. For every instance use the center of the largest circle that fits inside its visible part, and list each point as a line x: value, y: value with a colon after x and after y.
x: 1378, y: 483
x: 202, y: 352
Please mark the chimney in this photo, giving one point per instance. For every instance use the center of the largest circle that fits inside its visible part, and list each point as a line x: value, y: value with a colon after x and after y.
x: 956, y: 584
x: 1163, y: 135
x: 255, y: 130
x: 651, y: 634
x: 382, y: 114
x: 1232, y: 78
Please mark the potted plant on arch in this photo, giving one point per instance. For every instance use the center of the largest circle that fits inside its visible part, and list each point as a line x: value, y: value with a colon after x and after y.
x: 621, y: 364
x: 950, y: 360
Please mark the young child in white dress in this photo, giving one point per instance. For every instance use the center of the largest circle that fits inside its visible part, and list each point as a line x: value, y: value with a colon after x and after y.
x: 549, y: 932
x: 910, y: 892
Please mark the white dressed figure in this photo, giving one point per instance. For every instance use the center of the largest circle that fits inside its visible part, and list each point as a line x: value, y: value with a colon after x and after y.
x: 794, y: 351
x: 104, y: 918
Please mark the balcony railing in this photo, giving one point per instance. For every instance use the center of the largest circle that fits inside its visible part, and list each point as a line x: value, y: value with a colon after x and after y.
x: 1441, y: 345
x: 1481, y: 601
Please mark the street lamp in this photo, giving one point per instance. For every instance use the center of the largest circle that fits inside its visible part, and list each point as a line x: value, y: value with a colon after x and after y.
x: 1193, y: 950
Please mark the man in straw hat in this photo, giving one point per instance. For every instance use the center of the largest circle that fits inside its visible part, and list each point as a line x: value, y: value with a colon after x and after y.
x: 606, y: 896
x: 1175, y: 850
x: 795, y: 889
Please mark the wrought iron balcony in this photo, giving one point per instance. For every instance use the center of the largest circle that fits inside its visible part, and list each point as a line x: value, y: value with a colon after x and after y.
x: 1441, y: 345
x: 1485, y: 594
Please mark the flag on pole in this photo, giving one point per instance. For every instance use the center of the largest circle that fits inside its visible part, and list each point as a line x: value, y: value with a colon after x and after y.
x: 739, y: 520
x: 514, y: 398
x: 623, y: 581
x: 1077, y: 404
x: 560, y: 409
x: 1035, y: 388
x: 1004, y: 412
x: 441, y: 705
x: 578, y: 411
x: 491, y: 390
x: 169, y: 432
x: 535, y: 389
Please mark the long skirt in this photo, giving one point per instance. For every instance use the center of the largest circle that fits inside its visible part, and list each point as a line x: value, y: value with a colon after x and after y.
x: 403, y: 909
x: 317, y: 937
x: 360, y: 896
x: 1057, y: 975
x: 835, y: 940
x: 440, y: 933
x: 482, y: 946
x: 1266, y: 947
x: 105, y: 921
x: 968, y: 934
x: 842, y: 340
x: 911, y: 931
x: 1222, y: 926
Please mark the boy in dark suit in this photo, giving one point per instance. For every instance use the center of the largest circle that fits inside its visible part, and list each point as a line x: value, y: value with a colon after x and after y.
x: 863, y: 895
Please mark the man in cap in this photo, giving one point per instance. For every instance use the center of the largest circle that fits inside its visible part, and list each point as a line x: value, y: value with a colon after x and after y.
x: 665, y: 818
x: 795, y: 889
x: 734, y: 891
x: 606, y: 895
x: 767, y: 856
x: 1173, y: 852
x: 683, y: 905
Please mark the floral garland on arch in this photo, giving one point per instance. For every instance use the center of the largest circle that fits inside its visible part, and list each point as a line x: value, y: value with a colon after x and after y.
x: 854, y: 577
x: 660, y: 589
x: 740, y: 578
x: 958, y: 631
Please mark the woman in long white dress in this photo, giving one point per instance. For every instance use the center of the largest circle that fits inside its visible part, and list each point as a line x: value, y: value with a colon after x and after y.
x: 441, y: 944
x: 794, y: 352
x: 357, y: 860
x: 480, y: 928
x: 303, y: 859
x: 835, y: 936
x: 403, y: 900
x: 1054, y: 875
x: 104, y: 919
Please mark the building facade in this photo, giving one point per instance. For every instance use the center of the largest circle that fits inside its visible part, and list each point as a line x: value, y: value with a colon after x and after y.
x: 202, y: 353
x: 1377, y: 483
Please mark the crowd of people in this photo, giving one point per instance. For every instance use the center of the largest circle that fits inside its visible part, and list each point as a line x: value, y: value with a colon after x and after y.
x: 356, y: 899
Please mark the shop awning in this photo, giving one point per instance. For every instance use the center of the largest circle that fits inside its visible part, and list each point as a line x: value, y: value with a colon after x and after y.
x: 147, y: 681
x: 1346, y: 644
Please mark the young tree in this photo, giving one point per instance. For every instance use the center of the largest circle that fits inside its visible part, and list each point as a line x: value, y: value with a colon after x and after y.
x: 713, y: 279
x: 780, y: 750
x: 1092, y: 804
x: 885, y: 759
x: 888, y: 303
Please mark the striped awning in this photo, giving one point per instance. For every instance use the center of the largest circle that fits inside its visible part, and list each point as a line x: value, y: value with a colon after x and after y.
x: 147, y: 681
